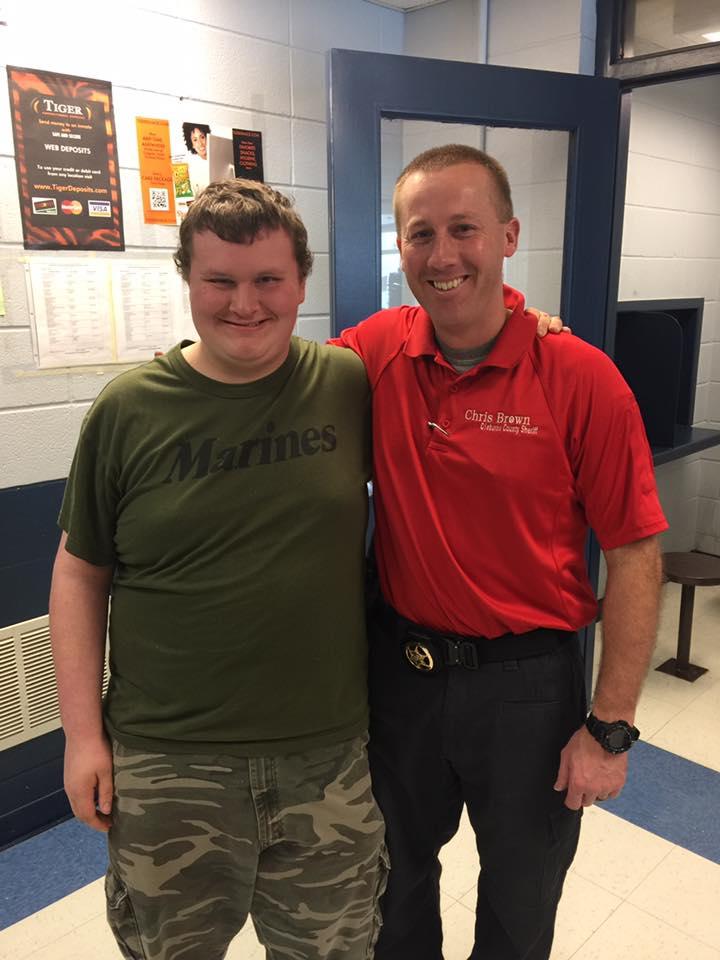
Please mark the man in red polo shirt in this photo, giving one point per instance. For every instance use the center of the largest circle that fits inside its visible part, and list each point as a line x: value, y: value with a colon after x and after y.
x: 494, y: 452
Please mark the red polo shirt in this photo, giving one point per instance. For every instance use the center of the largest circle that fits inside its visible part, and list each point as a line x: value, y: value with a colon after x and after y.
x: 481, y: 520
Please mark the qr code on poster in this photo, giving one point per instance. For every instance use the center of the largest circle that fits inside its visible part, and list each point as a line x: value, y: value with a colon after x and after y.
x: 159, y: 199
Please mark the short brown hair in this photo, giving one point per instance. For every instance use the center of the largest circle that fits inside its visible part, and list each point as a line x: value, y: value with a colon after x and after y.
x: 437, y: 158
x: 237, y: 211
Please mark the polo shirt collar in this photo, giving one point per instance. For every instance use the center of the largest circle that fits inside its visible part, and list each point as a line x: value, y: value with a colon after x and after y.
x: 513, y: 340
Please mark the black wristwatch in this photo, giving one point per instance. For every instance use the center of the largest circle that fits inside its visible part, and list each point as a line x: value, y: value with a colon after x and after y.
x: 615, y: 737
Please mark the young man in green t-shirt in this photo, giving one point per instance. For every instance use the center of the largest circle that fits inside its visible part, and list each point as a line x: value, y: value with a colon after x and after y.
x: 219, y: 494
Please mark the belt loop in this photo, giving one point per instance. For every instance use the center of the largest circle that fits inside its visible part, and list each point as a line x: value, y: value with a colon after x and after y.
x: 452, y: 652
x: 470, y: 656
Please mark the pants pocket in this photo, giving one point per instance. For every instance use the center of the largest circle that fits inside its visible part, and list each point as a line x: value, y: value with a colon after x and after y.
x: 121, y: 917
x: 382, y: 879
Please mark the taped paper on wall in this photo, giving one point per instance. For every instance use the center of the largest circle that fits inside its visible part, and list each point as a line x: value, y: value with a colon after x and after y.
x: 93, y: 311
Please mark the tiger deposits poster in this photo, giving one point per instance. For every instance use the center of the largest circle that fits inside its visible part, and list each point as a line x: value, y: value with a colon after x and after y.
x: 66, y: 161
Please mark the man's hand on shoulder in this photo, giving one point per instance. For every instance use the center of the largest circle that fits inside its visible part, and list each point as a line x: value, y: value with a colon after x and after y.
x: 89, y: 781
x: 548, y: 324
x: 588, y: 772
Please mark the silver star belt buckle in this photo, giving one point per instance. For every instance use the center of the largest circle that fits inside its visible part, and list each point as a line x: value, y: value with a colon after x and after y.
x: 419, y: 656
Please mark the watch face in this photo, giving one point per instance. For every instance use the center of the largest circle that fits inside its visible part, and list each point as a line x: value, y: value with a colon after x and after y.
x: 618, y: 739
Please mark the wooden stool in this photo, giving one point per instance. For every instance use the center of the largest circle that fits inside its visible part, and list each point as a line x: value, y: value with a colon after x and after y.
x: 691, y: 570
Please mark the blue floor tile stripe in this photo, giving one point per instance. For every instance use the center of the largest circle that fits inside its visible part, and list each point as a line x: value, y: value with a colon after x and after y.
x: 47, y: 867
x: 667, y: 795
x: 673, y: 798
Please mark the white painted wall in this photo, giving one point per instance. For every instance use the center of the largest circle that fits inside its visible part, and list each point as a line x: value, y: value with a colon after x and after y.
x: 447, y: 31
x: 671, y: 248
x: 257, y: 64
x: 553, y: 35
x: 560, y: 37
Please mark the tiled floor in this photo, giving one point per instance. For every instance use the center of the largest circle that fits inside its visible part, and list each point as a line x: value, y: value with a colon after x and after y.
x: 631, y: 895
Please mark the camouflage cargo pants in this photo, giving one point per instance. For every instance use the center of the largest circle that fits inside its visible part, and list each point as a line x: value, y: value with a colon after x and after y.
x: 199, y: 842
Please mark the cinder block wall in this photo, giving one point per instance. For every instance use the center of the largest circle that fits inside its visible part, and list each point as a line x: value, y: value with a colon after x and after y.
x: 671, y: 248
x: 257, y: 64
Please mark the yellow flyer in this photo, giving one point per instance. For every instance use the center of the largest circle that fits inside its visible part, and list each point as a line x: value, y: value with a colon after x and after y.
x: 156, y: 170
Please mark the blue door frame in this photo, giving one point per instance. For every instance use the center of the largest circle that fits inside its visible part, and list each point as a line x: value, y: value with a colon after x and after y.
x: 365, y: 87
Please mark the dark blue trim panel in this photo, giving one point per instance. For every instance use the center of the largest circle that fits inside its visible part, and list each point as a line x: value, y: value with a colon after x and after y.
x: 31, y: 791
x: 31, y: 794
x: 28, y: 519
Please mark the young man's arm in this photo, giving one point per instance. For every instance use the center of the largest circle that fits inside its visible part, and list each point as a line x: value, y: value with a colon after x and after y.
x: 78, y: 622
x: 630, y: 611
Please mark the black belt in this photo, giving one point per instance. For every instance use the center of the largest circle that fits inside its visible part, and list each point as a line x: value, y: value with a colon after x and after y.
x: 429, y: 650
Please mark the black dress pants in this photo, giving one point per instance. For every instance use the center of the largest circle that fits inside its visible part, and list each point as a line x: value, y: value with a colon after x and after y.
x: 491, y: 739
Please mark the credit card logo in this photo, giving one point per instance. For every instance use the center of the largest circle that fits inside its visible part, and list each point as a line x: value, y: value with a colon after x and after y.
x: 45, y: 206
x: 99, y: 208
x: 71, y: 206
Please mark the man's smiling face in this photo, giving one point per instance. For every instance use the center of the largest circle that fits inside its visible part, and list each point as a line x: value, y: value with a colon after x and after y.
x: 453, y: 243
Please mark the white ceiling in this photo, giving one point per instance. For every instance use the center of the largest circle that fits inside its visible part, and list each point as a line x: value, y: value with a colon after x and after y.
x: 667, y: 24
x: 406, y: 5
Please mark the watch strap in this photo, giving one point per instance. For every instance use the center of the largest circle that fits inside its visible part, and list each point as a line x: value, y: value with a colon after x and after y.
x: 603, y: 730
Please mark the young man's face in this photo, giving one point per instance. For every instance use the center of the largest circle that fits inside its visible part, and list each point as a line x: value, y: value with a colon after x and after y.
x: 453, y: 243
x: 199, y: 142
x: 244, y: 299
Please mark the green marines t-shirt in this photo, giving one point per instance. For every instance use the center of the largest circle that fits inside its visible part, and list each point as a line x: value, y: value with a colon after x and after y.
x: 235, y: 517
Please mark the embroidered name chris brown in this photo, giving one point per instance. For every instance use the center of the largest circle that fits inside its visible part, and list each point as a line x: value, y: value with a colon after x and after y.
x: 199, y: 458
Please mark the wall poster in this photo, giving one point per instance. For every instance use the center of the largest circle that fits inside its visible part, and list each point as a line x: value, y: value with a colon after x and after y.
x: 156, y: 171
x: 247, y: 154
x: 66, y: 161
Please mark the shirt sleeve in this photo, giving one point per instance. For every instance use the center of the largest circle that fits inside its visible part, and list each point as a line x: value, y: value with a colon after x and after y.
x: 89, y: 508
x: 377, y: 339
x: 613, y: 464
x: 348, y: 338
